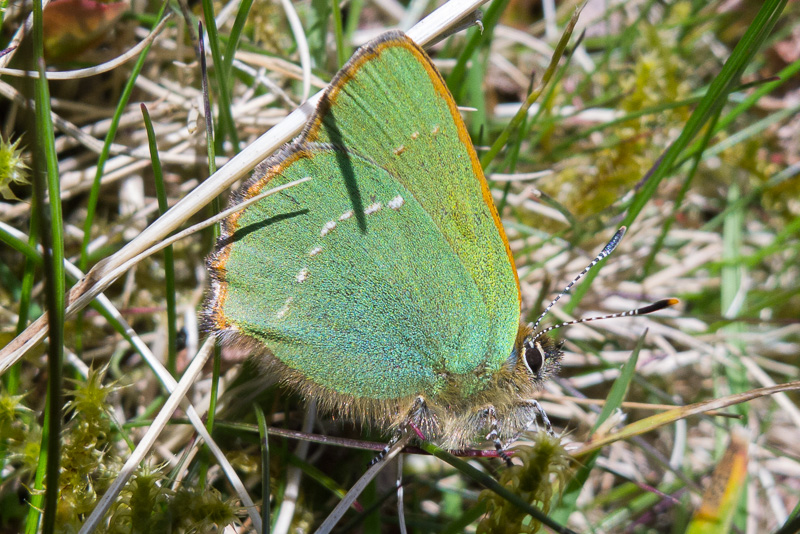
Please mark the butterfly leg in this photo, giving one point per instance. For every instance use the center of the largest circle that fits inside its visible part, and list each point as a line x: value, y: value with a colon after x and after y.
x: 396, y: 435
x: 494, y: 435
x: 418, y: 410
x: 538, y: 407
x: 541, y: 413
x: 533, y: 421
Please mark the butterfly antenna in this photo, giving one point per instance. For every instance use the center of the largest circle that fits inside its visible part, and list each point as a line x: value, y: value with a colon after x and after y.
x: 607, y: 250
x: 650, y: 308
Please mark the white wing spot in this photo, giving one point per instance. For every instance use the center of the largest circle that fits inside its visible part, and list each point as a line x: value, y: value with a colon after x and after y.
x: 314, y: 251
x: 328, y: 228
x: 435, y: 130
x: 399, y: 150
x: 415, y: 135
x: 346, y: 215
x: 396, y: 203
x: 372, y: 208
x: 302, y: 276
x: 284, y: 309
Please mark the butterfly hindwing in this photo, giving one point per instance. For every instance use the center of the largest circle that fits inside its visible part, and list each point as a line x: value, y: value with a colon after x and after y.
x: 360, y: 312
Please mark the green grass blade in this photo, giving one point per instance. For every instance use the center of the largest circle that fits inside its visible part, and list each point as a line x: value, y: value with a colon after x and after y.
x: 714, y: 99
x: 732, y: 299
x: 169, y: 259
x: 265, y: 478
x: 36, y: 503
x: 48, y: 191
x: 477, y: 38
x: 227, y: 126
x: 338, y: 34
x: 233, y: 40
x: 620, y: 387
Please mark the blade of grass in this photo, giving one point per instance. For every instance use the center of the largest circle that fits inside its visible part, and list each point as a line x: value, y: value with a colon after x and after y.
x: 670, y: 416
x: 785, y: 75
x: 264, y: 441
x: 749, y: 131
x: 348, y: 500
x: 47, y: 188
x: 455, y: 80
x: 792, y: 524
x: 302, y: 44
x: 169, y: 260
x: 36, y: 502
x: 353, y: 17
x: 732, y: 299
x: 233, y: 40
x: 227, y: 126
x: 211, y: 155
x: 316, y: 24
x: 639, y: 501
x: 619, y: 389
x: 725, y: 490
x: 94, y: 192
x: 338, y: 34
x: 364, y: 521
x: 714, y: 99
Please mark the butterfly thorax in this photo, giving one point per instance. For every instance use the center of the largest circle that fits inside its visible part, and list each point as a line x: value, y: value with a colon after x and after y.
x: 465, y: 410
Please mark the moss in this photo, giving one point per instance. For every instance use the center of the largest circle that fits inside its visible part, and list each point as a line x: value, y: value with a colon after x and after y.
x: 540, y: 476
x: 13, y: 169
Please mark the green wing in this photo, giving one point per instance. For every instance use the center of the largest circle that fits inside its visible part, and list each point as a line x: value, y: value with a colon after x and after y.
x: 387, y: 274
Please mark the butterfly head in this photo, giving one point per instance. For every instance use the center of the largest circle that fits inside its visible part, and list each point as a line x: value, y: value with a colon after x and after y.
x: 535, y: 359
x: 541, y: 357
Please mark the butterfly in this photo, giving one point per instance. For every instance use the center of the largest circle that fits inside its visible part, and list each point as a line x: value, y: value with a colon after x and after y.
x: 384, y: 288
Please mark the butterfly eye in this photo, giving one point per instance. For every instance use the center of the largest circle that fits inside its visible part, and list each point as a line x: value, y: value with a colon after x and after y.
x: 534, y: 357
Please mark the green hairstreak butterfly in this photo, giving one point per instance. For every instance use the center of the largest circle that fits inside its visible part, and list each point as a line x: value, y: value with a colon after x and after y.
x: 384, y: 287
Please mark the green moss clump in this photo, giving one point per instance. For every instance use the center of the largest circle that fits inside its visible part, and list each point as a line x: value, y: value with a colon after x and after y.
x: 537, y: 480
x: 147, y: 505
x: 13, y: 169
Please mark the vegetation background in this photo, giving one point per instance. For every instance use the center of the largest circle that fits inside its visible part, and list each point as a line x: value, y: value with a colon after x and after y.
x: 677, y: 118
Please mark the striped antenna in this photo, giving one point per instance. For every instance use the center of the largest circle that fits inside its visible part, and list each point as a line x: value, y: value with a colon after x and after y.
x: 607, y: 250
x: 650, y: 308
